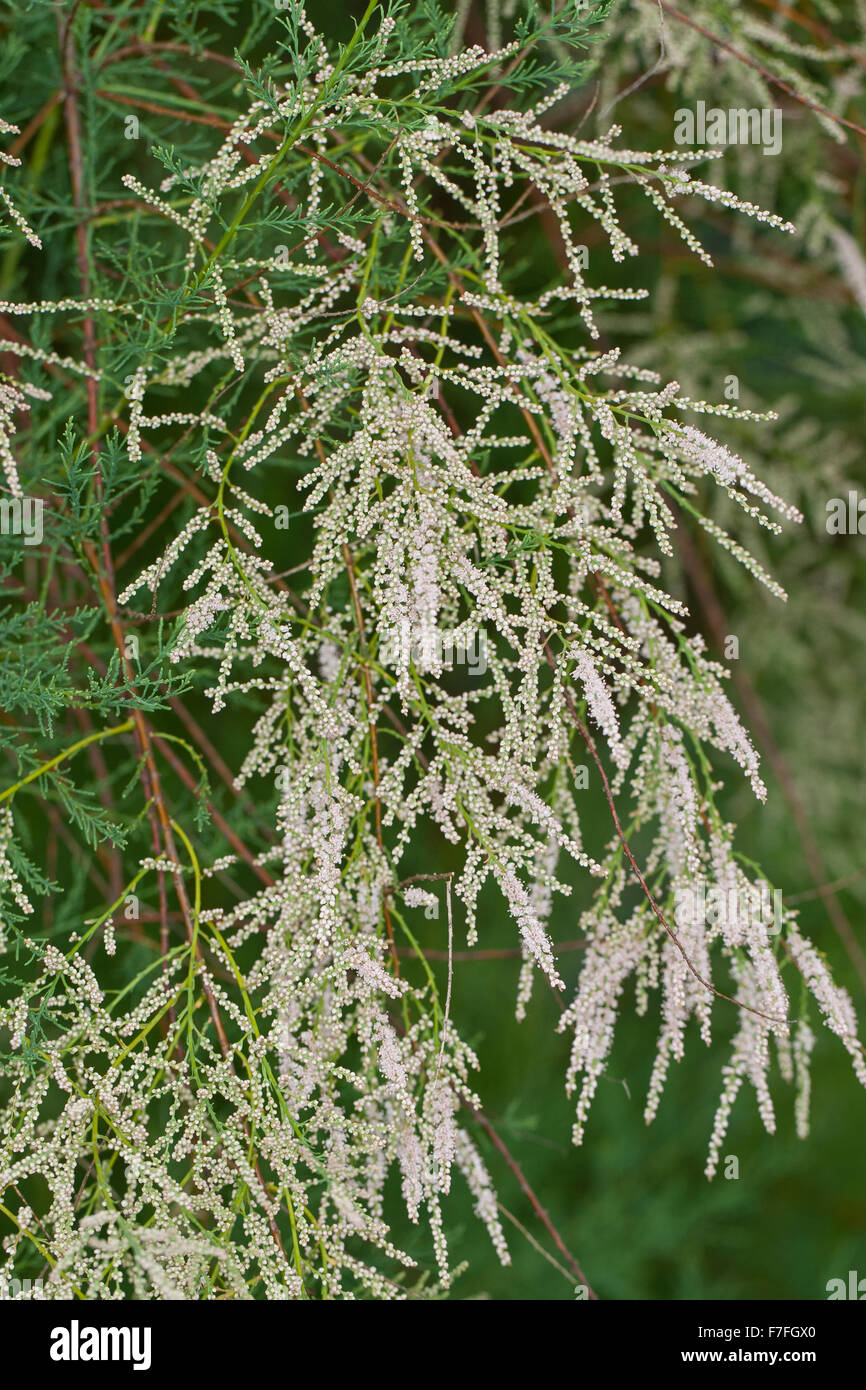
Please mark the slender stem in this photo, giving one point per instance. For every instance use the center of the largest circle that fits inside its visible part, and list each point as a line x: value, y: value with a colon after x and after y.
x: 41, y: 770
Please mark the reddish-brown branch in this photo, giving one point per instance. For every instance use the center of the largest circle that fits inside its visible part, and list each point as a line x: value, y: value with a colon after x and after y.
x: 34, y: 124
x: 102, y: 564
x: 140, y: 48
x: 219, y: 821
x: 499, y: 1143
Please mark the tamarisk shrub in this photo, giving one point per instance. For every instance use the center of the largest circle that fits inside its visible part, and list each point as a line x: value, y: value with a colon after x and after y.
x: 296, y: 410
